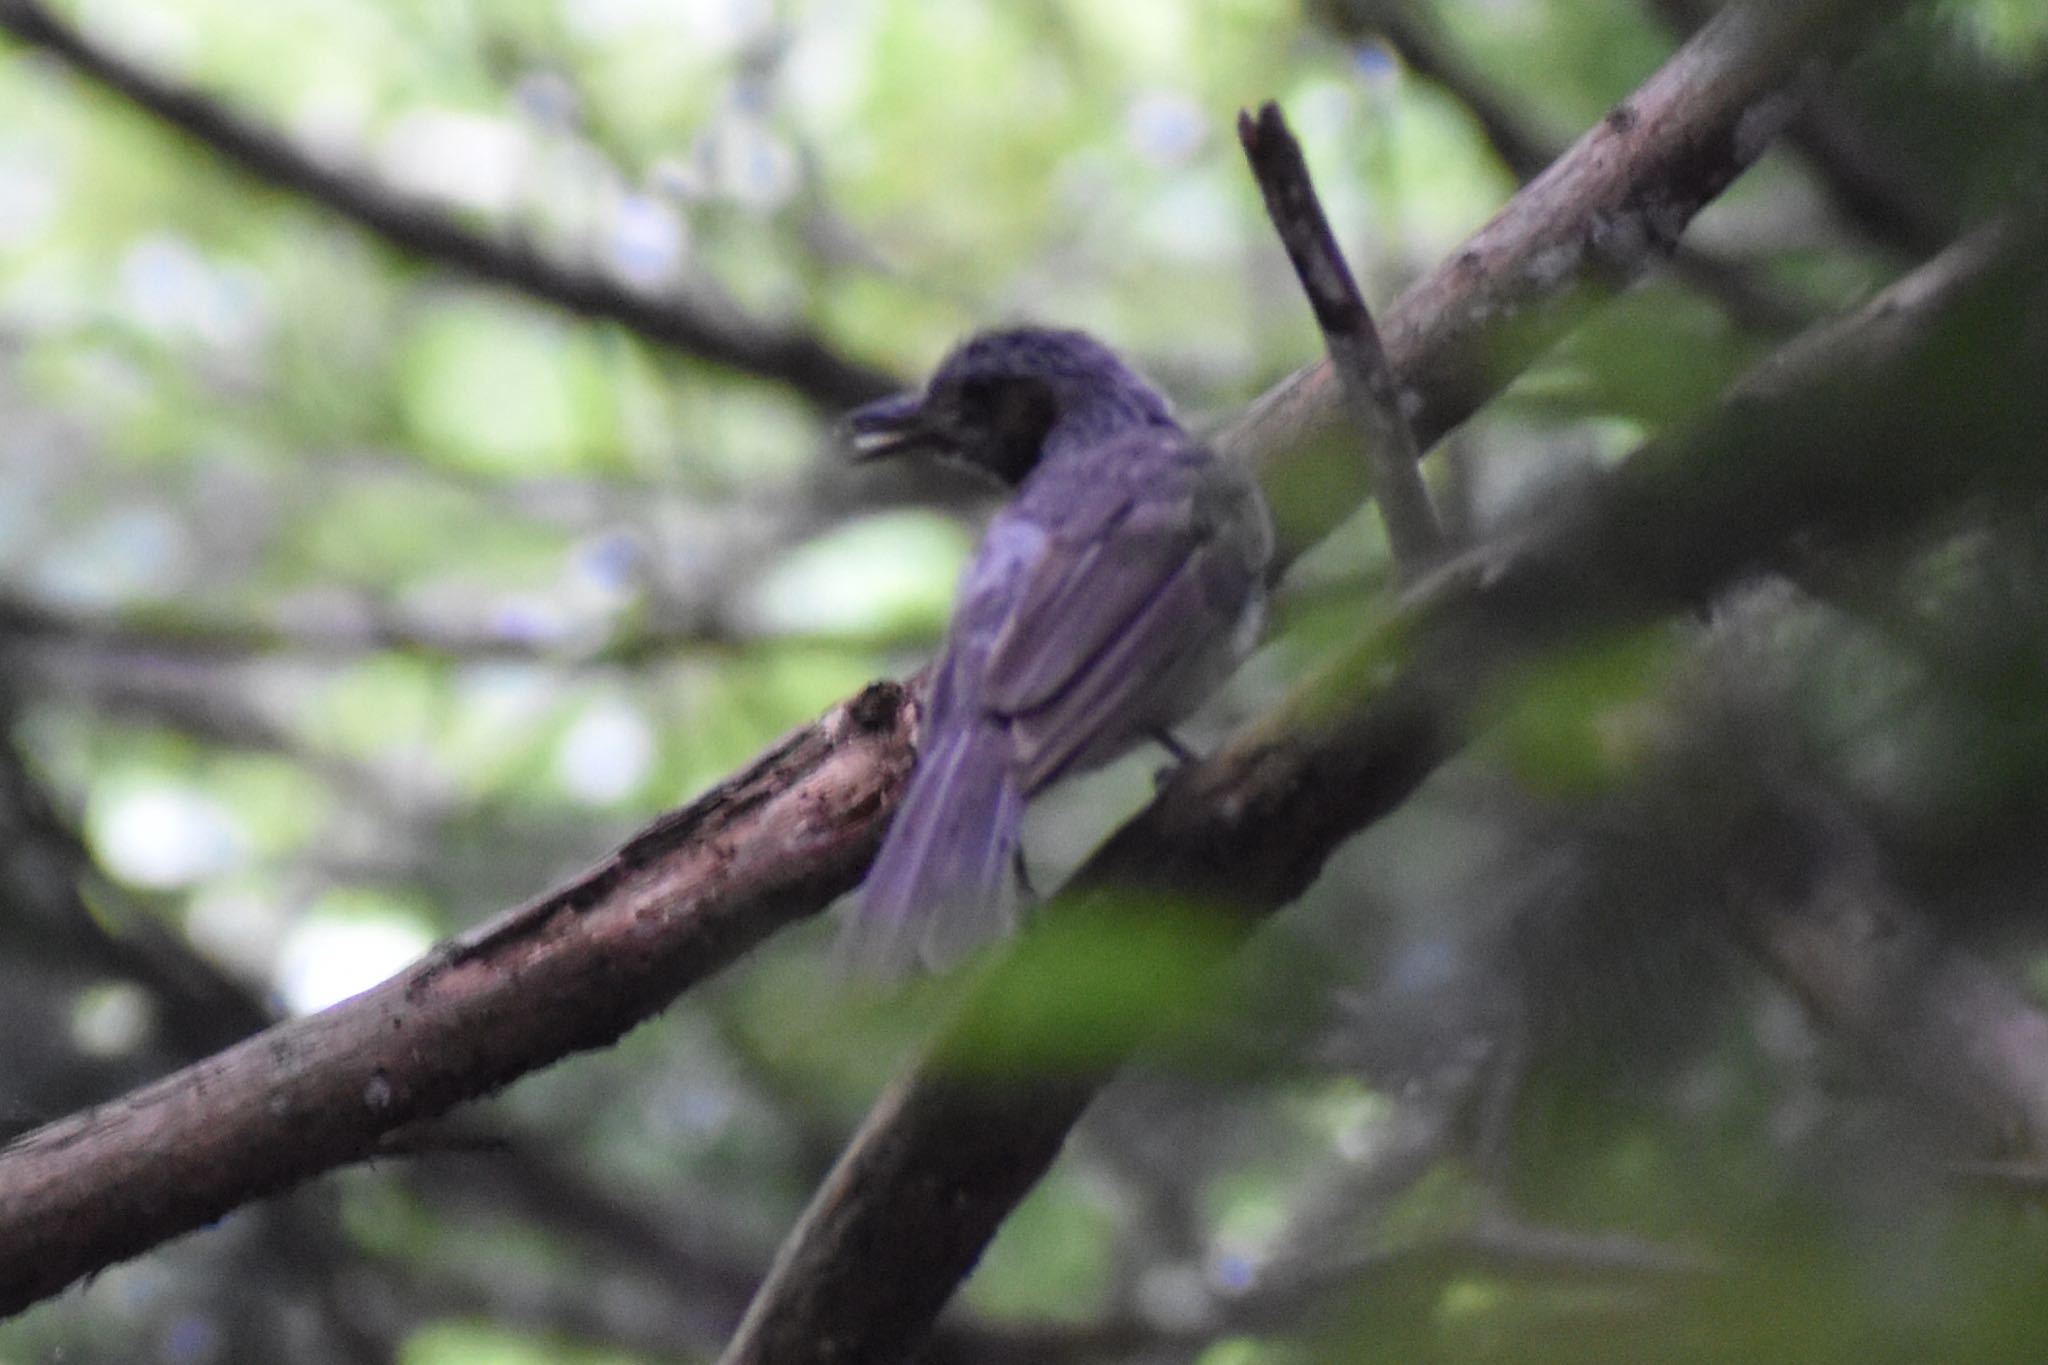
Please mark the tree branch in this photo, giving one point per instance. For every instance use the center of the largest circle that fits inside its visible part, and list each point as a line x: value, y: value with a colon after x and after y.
x: 950, y: 1149
x: 796, y: 358
x: 1430, y: 54
x: 1354, y: 342
x: 779, y: 841
x: 1874, y: 192
x: 44, y: 866
x: 693, y: 891
x: 1607, y: 209
x: 368, y: 626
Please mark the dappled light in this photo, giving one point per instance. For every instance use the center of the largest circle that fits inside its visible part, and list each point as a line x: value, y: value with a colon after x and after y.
x: 1428, y: 743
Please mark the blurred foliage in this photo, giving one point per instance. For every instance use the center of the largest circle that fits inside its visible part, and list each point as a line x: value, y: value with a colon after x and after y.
x: 385, y: 599
x: 1578, y: 721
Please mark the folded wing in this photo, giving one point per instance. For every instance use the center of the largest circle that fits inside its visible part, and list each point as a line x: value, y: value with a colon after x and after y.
x: 1112, y: 634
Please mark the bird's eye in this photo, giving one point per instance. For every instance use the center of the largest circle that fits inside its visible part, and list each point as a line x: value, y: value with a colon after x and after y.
x: 979, y: 396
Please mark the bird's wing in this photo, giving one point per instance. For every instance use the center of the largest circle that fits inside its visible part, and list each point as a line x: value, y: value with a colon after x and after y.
x: 1111, y: 612
x: 941, y: 885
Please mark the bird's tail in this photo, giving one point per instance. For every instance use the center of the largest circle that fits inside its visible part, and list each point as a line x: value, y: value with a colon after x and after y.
x: 941, y: 885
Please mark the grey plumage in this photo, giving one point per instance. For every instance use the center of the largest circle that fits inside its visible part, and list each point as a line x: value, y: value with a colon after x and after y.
x: 1120, y: 584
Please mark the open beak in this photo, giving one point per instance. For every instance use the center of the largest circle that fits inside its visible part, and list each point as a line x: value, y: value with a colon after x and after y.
x: 889, y: 426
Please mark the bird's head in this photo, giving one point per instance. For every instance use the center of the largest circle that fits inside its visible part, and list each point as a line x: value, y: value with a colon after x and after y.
x: 996, y: 399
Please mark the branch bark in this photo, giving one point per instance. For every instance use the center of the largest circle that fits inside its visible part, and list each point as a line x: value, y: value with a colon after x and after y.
x: 1607, y: 209
x: 1876, y: 193
x: 785, y: 355
x: 782, y: 839
x: 1749, y: 301
x: 692, y: 892
x: 949, y: 1150
x: 1349, y: 333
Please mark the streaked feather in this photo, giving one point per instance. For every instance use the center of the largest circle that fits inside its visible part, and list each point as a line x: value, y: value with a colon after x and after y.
x: 1104, y: 601
x: 941, y: 885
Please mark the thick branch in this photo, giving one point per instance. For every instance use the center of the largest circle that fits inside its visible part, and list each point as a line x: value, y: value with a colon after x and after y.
x: 948, y: 1151
x: 781, y: 840
x: 689, y: 894
x: 795, y: 358
x: 1608, y: 208
x: 1430, y: 54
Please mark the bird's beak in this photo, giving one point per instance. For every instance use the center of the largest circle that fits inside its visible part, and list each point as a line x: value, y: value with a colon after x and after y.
x: 889, y: 426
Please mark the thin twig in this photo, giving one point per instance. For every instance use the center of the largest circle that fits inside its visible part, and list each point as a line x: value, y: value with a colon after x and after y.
x: 1750, y: 301
x: 1348, y: 330
x: 790, y: 356
x: 1610, y: 207
x: 368, y: 627
x: 778, y: 843
x: 952, y: 1147
x: 570, y: 970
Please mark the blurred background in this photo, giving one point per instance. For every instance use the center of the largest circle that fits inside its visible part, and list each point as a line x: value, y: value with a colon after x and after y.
x: 414, y: 474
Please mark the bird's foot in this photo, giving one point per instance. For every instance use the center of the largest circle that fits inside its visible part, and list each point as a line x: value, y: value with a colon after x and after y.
x: 1177, y: 751
x: 1023, y: 875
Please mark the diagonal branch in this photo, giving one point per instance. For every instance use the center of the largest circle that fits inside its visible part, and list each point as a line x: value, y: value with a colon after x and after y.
x: 779, y: 841
x: 954, y: 1145
x: 200, y: 637
x: 1354, y: 342
x: 1604, y: 211
x: 45, y: 867
x: 1875, y: 192
x: 1413, y: 31
x: 679, y: 901
x: 796, y: 358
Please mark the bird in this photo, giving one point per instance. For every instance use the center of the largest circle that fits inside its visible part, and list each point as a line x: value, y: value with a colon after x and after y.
x: 1119, y: 585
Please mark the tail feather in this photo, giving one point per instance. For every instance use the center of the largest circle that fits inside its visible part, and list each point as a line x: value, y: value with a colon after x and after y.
x: 941, y: 885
